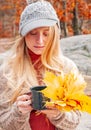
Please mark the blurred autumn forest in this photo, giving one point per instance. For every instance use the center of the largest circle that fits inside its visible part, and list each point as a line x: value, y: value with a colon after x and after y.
x: 74, y: 15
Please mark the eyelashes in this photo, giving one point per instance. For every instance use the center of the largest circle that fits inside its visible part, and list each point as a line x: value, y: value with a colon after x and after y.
x: 44, y: 34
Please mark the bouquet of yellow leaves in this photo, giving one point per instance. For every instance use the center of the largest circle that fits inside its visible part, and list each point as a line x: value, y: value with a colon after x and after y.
x: 66, y: 92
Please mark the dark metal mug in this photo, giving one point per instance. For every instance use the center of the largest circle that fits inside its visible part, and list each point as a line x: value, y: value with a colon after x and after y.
x: 38, y: 99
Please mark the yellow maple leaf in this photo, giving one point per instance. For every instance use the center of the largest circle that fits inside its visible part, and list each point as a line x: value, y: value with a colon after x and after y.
x: 66, y: 92
x: 53, y: 84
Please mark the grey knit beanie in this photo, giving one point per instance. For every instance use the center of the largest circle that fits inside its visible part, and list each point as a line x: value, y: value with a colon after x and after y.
x: 38, y: 13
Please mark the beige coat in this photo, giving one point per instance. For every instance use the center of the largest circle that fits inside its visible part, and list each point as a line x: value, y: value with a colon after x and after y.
x: 12, y: 119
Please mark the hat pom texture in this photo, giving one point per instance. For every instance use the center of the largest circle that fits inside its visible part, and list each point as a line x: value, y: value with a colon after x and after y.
x: 32, y: 1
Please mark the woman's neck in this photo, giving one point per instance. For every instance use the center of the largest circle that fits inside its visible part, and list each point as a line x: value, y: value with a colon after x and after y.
x: 34, y: 57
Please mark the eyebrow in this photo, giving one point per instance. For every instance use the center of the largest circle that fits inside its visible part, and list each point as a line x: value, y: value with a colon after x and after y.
x: 46, y: 29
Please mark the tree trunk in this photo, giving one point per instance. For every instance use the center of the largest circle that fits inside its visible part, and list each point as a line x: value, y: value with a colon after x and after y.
x: 75, y: 21
x: 65, y: 29
x: 65, y: 23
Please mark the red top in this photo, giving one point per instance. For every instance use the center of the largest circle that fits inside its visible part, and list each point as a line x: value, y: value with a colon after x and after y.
x: 40, y: 122
x: 33, y: 56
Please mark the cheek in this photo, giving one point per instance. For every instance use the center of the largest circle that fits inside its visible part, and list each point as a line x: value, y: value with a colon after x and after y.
x: 29, y: 43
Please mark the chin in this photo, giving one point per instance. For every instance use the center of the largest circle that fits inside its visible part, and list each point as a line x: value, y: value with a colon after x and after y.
x: 38, y: 52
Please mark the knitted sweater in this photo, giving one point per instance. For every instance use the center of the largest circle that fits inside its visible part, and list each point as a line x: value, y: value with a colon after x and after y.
x: 12, y: 119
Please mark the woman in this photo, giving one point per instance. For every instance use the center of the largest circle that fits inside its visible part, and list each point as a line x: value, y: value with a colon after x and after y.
x: 37, y: 50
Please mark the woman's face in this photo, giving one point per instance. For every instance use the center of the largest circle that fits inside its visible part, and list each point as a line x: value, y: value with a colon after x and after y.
x: 37, y: 39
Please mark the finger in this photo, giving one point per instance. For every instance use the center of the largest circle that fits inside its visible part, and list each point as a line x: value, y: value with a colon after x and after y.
x: 24, y: 103
x: 46, y: 111
x: 51, y: 107
x: 23, y: 97
x: 29, y: 93
x: 51, y: 112
x: 25, y: 110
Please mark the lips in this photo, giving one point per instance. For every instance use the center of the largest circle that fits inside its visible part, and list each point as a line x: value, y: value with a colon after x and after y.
x: 39, y: 47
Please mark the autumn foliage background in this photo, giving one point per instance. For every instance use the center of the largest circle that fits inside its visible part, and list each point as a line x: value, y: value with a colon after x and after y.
x: 74, y: 15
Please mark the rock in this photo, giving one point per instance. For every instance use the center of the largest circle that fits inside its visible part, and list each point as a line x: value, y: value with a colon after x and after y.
x: 88, y: 81
x: 78, y: 48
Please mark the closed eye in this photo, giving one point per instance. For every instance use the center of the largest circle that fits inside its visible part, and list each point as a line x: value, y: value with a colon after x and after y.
x: 33, y: 33
x: 46, y: 33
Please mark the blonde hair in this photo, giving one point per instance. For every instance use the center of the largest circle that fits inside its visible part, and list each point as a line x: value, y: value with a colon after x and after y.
x: 18, y: 68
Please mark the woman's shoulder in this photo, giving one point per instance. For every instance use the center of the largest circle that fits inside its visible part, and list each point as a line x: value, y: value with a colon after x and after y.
x: 68, y: 65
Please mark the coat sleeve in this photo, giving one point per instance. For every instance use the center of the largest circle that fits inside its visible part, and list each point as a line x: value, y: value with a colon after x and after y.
x: 69, y: 65
x: 10, y: 117
x: 67, y: 120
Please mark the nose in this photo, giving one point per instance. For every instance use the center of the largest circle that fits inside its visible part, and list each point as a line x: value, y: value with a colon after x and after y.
x: 40, y: 39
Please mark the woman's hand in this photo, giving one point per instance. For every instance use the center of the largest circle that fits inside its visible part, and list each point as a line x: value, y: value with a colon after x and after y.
x: 24, y: 103
x: 51, y: 112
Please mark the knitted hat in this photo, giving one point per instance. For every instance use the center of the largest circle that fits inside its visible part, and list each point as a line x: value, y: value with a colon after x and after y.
x: 38, y: 13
